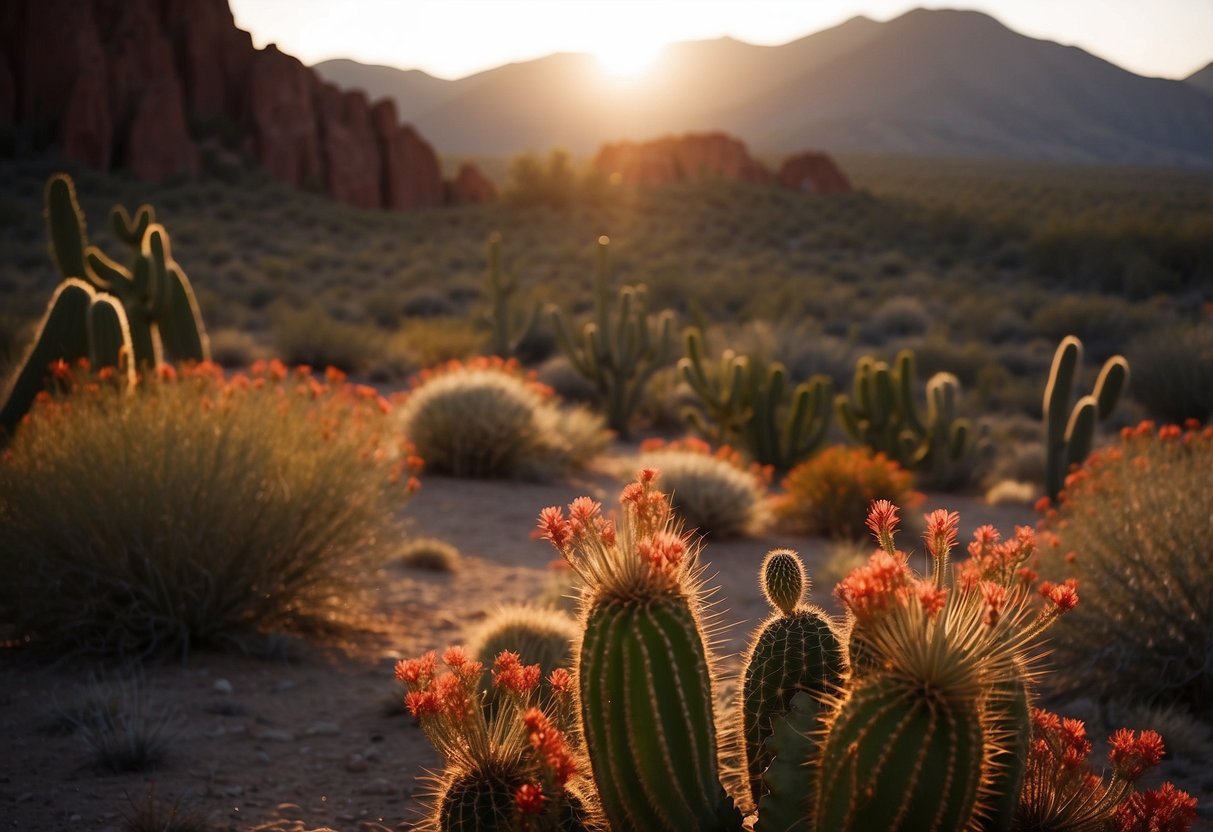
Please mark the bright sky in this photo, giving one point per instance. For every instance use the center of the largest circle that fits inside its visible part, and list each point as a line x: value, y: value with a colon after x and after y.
x: 454, y: 38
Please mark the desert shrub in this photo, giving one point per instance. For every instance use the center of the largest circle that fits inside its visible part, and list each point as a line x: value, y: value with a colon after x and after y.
x: 560, y: 374
x: 196, y: 510
x: 430, y: 554
x: 713, y: 492
x: 311, y: 336
x: 486, y: 418
x: 432, y: 341
x: 1173, y: 372
x: 539, y: 635
x: 897, y: 317
x: 123, y: 730
x: 155, y: 815
x: 1134, y: 525
x: 830, y: 493
x: 234, y: 348
x: 1104, y: 324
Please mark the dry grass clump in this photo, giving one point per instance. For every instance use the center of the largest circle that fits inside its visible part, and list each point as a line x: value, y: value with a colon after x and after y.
x: 1173, y: 372
x: 486, y: 418
x: 155, y: 815
x: 830, y: 494
x: 712, y: 492
x: 1134, y: 526
x: 122, y: 728
x: 430, y: 554
x: 196, y: 510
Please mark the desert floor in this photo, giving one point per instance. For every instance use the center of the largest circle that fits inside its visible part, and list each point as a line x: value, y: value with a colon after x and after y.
x: 315, y: 736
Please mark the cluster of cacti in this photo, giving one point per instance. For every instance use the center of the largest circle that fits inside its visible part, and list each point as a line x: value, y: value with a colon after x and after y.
x: 914, y: 715
x: 882, y: 412
x: 107, y: 313
x: 746, y: 400
x: 509, y: 327
x: 620, y: 348
x: 1070, y: 430
x: 487, y: 418
x: 713, y: 492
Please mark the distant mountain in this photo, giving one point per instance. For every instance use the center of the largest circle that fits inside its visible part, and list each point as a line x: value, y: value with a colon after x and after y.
x: 1202, y: 78
x: 931, y: 82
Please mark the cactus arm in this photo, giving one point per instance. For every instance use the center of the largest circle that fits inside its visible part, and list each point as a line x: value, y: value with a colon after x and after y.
x: 107, y: 274
x: 1112, y: 381
x: 66, y: 227
x: 182, y: 331
x: 787, y: 780
x: 128, y: 230
x: 1080, y: 432
x: 1056, y: 405
x: 1009, y: 708
x: 905, y: 376
x: 109, y: 335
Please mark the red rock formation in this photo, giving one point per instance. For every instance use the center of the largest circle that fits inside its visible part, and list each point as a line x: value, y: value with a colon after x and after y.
x: 412, y: 177
x: 470, y: 187
x: 813, y: 173
x: 121, y: 81
x: 348, y: 147
x: 688, y: 158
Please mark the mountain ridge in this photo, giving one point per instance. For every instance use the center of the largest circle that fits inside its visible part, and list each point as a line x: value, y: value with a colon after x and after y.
x: 930, y: 82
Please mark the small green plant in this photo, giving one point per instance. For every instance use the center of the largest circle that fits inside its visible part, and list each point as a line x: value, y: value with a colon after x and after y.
x: 620, y: 348
x: 1070, y: 430
x: 486, y: 418
x: 713, y: 492
x: 829, y: 494
x: 745, y: 399
x: 509, y: 328
x: 431, y: 555
x: 201, y: 511
x: 1133, y: 525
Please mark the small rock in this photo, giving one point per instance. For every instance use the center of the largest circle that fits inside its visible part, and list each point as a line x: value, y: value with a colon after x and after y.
x: 263, y: 758
x: 290, y: 811
x: 276, y: 735
x: 324, y: 729
x: 356, y: 763
x: 378, y: 786
x: 371, y: 754
x: 222, y: 687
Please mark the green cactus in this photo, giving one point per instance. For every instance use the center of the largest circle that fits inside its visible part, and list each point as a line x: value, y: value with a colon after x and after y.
x: 161, y: 309
x: 746, y: 400
x: 79, y: 323
x: 482, y: 800
x: 1069, y: 432
x: 509, y: 329
x: 1009, y: 726
x: 796, y: 650
x: 899, y: 758
x: 621, y: 348
x: 787, y: 804
x: 882, y: 413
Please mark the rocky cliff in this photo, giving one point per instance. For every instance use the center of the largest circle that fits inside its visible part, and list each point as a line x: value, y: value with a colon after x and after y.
x: 133, y: 85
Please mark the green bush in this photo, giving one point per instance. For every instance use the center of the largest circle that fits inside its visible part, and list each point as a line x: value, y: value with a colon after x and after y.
x: 195, y: 511
x: 1173, y: 372
x: 1135, y: 526
x: 484, y: 418
x: 830, y: 494
x: 713, y: 492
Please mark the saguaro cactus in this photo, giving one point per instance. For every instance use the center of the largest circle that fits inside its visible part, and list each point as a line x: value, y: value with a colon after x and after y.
x: 621, y: 348
x: 746, y: 399
x: 1069, y: 432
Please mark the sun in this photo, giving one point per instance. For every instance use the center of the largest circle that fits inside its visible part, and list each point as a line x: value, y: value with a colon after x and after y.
x: 627, y: 60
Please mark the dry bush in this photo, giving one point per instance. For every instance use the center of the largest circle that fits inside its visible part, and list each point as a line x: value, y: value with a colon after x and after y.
x: 196, y: 510
x: 311, y: 336
x: 485, y: 418
x: 1173, y: 372
x: 712, y: 492
x: 122, y: 728
x: 830, y: 493
x: 1138, y: 520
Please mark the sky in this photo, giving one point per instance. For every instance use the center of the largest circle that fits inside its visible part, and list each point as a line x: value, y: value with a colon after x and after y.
x: 454, y: 38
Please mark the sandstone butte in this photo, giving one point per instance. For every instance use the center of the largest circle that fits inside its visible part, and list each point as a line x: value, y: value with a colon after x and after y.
x: 129, y: 85
x: 696, y: 156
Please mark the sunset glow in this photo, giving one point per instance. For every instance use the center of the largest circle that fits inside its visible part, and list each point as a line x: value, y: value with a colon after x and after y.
x: 627, y: 61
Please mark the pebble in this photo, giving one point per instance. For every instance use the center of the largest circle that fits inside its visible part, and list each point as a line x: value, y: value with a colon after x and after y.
x: 324, y: 729
x: 276, y: 735
x: 263, y: 758
x: 356, y: 764
x: 222, y: 687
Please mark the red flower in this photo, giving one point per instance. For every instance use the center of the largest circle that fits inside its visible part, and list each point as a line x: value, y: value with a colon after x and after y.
x: 1133, y: 754
x: 529, y: 799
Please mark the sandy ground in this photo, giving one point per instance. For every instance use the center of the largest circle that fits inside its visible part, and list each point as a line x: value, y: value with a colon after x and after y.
x: 315, y: 736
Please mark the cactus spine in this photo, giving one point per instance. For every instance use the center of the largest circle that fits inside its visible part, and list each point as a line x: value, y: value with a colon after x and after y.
x: 509, y: 329
x: 621, y: 348
x: 643, y: 673
x: 1069, y: 432
x: 796, y: 650
x: 747, y: 399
